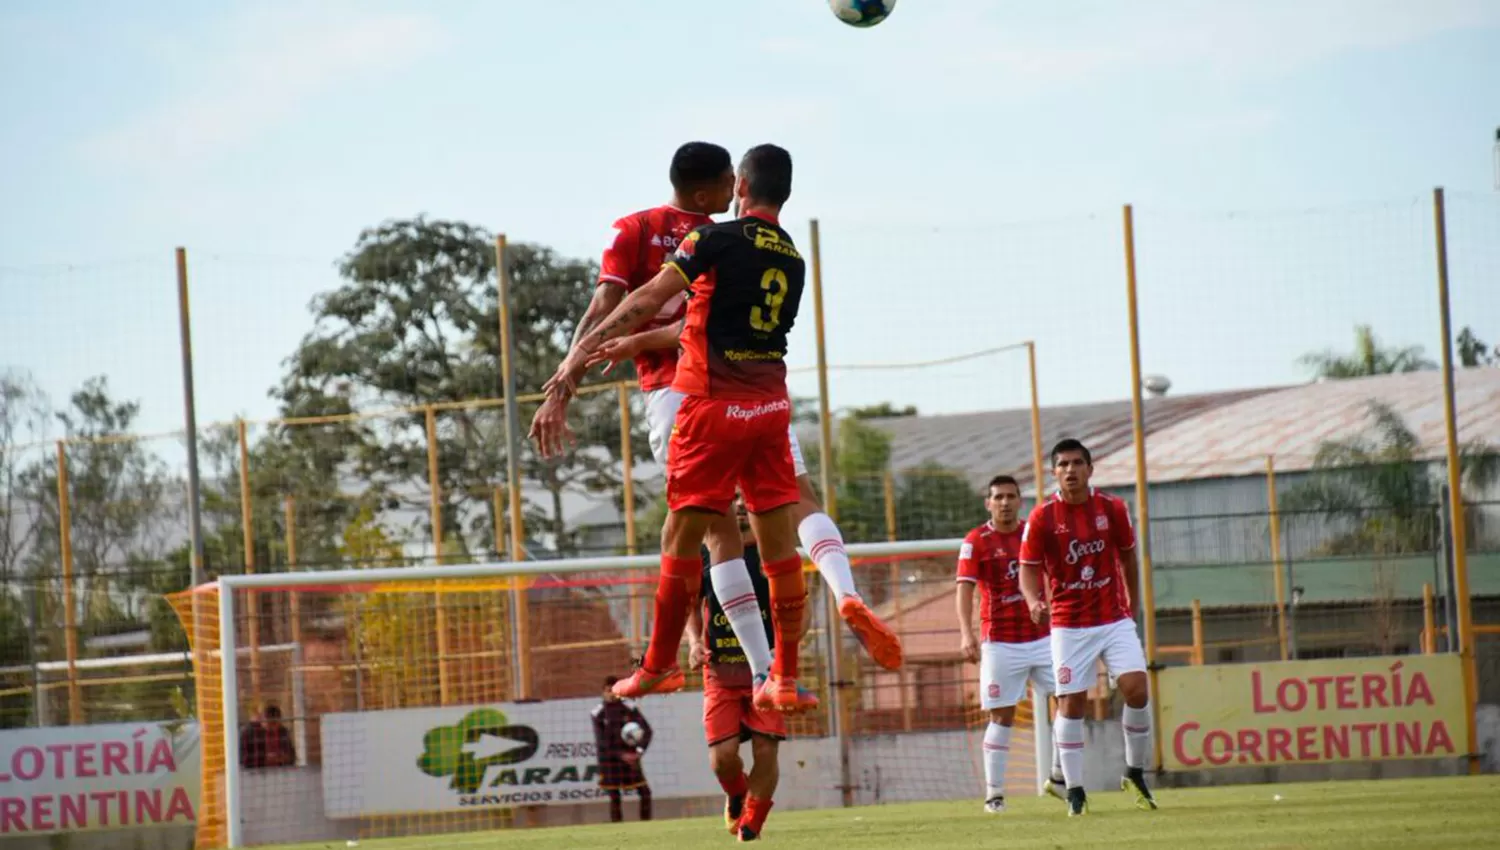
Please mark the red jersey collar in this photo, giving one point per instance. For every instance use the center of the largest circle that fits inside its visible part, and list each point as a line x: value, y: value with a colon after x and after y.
x: 764, y: 215
x: 1058, y: 495
x: 990, y: 524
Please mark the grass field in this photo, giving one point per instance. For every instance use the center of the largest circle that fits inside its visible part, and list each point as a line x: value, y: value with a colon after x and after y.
x: 1426, y: 813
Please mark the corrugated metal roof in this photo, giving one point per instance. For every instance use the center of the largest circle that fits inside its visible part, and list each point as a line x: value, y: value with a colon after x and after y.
x: 985, y: 444
x: 1234, y: 439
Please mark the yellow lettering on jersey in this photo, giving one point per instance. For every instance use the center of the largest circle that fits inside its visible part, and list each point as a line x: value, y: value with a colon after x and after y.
x: 769, y: 240
x: 736, y: 355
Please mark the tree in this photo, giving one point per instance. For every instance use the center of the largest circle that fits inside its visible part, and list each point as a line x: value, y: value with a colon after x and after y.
x: 1380, y: 491
x: 414, y: 323
x: 1368, y: 358
x: 931, y: 501
x: 883, y: 410
x: 23, y: 423
x: 1473, y: 351
x: 122, y: 521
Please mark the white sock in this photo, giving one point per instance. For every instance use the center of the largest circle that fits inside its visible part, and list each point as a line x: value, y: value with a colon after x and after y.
x: 996, y: 751
x: 1068, y: 733
x: 1057, y: 773
x: 825, y: 546
x: 736, y: 595
x: 1137, y: 723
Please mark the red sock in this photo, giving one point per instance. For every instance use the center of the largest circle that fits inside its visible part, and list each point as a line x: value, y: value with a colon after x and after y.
x: 736, y: 787
x: 676, y: 593
x: 756, y: 811
x: 788, y: 599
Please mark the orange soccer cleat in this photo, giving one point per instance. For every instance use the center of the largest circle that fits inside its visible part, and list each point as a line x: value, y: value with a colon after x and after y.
x: 643, y: 682
x: 876, y: 637
x: 778, y: 693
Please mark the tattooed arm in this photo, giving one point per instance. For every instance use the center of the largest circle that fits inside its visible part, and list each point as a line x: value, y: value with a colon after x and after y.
x: 607, y: 296
x: 637, y: 308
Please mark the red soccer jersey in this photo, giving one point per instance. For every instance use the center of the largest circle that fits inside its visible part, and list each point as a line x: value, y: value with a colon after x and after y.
x: 747, y: 279
x: 1079, y: 547
x: 642, y: 242
x: 991, y: 559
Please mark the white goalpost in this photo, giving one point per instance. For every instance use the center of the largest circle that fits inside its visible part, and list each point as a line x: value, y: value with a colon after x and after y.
x: 230, y: 649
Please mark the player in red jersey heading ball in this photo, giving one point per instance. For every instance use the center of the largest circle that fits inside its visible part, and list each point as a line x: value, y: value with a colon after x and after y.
x: 1014, y: 647
x: 730, y: 431
x: 702, y: 182
x: 1083, y: 541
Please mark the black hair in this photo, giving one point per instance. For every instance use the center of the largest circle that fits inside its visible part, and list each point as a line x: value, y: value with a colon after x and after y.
x: 767, y: 170
x: 697, y: 164
x: 1001, y: 481
x: 1072, y: 445
x: 272, y: 711
x: 609, y: 681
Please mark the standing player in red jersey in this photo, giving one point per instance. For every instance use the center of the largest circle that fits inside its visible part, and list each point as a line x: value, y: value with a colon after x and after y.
x: 1014, y: 648
x: 1082, y: 539
x: 731, y: 429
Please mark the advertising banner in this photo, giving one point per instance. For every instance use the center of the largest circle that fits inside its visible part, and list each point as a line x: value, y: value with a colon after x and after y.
x: 1306, y: 712
x: 116, y: 776
x: 459, y: 758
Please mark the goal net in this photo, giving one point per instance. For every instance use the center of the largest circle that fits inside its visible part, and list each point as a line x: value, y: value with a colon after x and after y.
x: 458, y: 698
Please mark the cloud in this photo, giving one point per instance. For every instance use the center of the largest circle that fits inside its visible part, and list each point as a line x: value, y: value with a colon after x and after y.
x: 264, y: 68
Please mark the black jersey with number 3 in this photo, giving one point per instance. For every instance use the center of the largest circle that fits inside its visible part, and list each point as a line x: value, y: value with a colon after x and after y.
x: 746, y: 280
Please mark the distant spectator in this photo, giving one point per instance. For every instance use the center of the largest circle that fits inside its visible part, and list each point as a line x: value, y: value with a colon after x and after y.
x: 266, y: 742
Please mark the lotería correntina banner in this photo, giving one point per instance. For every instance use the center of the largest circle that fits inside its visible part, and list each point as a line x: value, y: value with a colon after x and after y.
x: 1305, y: 712
x: 115, y: 776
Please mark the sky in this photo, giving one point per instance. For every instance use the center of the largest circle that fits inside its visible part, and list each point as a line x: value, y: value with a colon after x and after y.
x: 967, y: 163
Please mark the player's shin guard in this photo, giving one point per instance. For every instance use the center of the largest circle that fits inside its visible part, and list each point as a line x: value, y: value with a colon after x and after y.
x: 825, y: 546
x: 788, y: 600
x: 1068, y: 732
x: 676, y: 591
x: 736, y: 595
x: 1137, y: 723
x: 996, y: 752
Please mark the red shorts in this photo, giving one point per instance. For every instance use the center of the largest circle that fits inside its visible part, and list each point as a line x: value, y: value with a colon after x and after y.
x: 718, y: 445
x: 730, y: 713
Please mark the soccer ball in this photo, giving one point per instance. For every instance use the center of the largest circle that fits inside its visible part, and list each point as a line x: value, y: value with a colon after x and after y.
x: 862, y: 13
x: 632, y: 733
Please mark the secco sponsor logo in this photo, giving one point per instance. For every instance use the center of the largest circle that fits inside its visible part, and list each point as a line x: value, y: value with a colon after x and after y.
x: 1078, y: 550
x: 734, y: 411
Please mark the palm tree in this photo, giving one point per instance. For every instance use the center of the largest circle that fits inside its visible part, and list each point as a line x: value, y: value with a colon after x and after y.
x: 1381, y: 491
x: 1473, y: 351
x: 1368, y: 358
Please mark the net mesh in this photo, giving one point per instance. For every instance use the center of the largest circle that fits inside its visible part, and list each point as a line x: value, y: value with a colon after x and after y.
x: 369, y: 669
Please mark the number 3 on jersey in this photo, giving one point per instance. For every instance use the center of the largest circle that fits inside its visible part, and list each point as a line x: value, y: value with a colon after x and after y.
x: 775, y: 284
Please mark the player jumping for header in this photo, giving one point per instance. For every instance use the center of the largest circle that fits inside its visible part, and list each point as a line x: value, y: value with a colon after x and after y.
x: 1015, y: 648
x: 702, y: 181
x: 1082, y: 539
x: 731, y: 429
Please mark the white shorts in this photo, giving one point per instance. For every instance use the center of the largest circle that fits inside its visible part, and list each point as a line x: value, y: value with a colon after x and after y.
x: 661, y: 412
x: 1004, y: 669
x: 1076, y: 651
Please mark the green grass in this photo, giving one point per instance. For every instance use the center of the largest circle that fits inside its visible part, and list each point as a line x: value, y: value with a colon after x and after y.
x: 1424, y: 813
